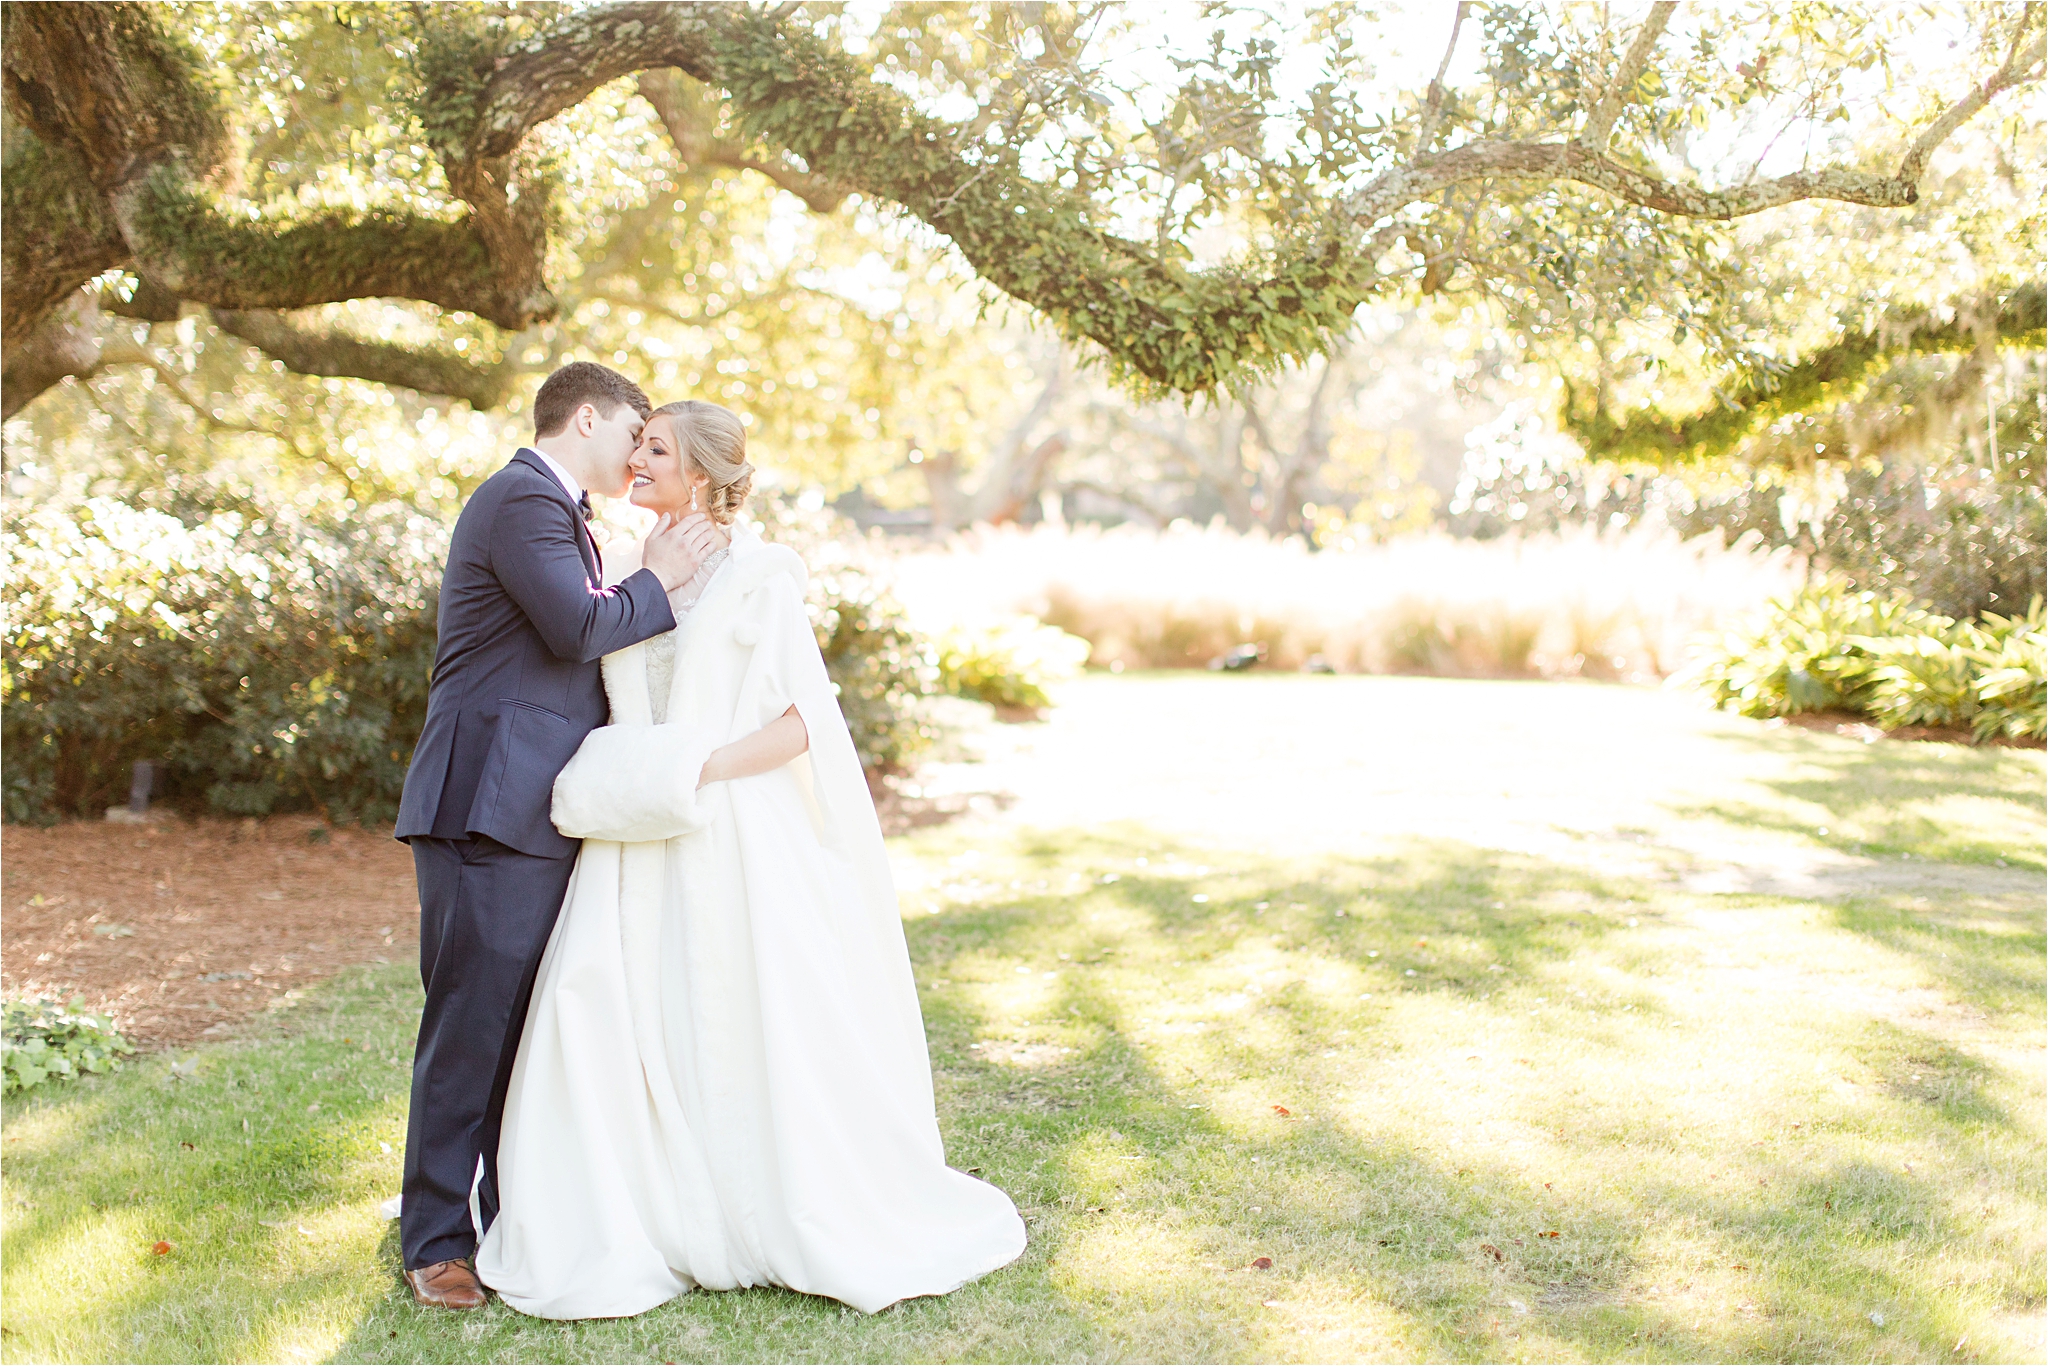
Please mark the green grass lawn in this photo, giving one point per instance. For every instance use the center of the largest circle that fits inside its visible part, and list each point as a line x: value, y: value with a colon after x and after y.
x: 1473, y: 1103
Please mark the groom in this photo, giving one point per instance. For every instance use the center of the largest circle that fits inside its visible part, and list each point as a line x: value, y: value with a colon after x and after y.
x: 516, y: 686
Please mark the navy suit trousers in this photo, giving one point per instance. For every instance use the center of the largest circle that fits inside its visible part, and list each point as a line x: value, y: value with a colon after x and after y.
x: 486, y: 911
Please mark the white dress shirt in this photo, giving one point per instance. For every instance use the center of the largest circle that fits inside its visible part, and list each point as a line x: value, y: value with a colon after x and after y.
x: 562, y: 476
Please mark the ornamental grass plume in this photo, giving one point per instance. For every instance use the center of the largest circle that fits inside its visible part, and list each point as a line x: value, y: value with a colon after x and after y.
x: 1612, y: 605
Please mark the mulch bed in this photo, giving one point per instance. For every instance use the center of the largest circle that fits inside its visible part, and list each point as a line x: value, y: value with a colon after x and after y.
x: 1857, y: 727
x: 183, y: 928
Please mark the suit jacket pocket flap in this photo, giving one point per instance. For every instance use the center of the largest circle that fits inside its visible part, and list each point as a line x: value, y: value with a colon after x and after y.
x: 529, y: 746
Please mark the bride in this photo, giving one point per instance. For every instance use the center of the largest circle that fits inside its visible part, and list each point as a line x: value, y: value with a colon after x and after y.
x: 722, y: 1080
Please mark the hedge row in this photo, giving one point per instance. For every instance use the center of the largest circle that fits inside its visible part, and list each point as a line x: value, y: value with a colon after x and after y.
x: 269, y: 660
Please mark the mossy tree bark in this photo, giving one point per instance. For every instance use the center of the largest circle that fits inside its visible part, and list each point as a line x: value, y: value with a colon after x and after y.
x: 1648, y: 436
x: 123, y: 157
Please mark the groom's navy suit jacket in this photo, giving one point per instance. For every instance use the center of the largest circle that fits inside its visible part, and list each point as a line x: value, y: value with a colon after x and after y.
x: 516, y: 685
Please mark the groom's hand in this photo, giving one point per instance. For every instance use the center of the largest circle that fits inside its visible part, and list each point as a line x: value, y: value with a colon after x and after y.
x: 669, y: 554
x: 704, y: 537
x: 676, y: 547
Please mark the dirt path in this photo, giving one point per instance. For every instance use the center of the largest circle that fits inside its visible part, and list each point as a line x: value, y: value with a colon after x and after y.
x: 180, y: 929
x: 1639, y: 782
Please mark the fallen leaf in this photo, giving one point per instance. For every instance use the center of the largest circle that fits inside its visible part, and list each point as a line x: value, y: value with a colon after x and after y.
x: 1262, y: 1263
x: 1282, y: 1111
x: 1498, y: 1255
x: 1548, y: 1233
x: 162, y: 1249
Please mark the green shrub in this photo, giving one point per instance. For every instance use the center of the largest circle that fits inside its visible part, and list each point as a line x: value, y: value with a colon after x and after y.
x: 264, y: 659
x: 268, y: 660
x: 1008, y: 663
x: 1805, y: 653
x: 2012, y: 676
x: 882, y: 666
x: 1925, y: 678
x: 1987, y: 676
x: 41, y: 1040
x: 1886, y: 657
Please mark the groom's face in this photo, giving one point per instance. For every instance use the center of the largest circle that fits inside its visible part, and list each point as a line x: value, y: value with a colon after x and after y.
x: 610, y: 443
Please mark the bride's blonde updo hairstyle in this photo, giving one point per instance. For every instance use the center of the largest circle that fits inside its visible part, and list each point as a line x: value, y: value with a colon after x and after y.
x: 714, y: 441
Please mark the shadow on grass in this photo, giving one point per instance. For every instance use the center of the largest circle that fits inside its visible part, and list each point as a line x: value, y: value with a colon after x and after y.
x: 1871, y: 793
x: 1148, y: 1160
x: 1929, y: 1074
x: 246, y: 1161
x: 1458, y: 917
x: 1445, y: 919
x: 1993, y: 957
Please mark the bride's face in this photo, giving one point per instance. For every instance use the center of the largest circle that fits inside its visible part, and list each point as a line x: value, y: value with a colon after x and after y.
x: 662, y: 480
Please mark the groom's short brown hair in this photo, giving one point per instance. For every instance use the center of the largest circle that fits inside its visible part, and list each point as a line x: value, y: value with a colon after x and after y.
x: 580, y: 382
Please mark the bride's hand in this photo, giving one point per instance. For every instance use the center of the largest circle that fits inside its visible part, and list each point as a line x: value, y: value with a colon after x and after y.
x: 770, y: 747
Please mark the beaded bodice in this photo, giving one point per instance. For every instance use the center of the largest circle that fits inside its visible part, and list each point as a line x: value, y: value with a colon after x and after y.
x: 661, y: 649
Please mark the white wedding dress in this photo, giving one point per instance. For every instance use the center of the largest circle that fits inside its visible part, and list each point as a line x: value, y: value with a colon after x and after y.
x: 723, y: 1079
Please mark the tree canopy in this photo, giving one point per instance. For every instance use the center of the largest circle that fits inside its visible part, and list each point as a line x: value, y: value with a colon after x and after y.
x: 1195, y: 233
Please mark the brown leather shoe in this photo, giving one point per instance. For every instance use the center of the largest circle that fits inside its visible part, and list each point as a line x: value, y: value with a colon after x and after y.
x: 446, y: 1285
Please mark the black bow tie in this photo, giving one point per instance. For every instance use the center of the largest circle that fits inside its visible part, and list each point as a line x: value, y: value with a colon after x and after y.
x: 583, y: 505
